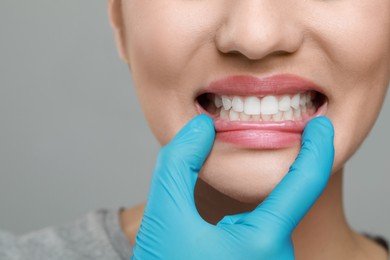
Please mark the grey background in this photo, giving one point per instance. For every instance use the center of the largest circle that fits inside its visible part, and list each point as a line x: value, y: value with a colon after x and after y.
x: 73, y: 138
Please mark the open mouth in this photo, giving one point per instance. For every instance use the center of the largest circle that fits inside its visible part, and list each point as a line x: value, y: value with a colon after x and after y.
x: 269, y: 108
x: 261, y: 113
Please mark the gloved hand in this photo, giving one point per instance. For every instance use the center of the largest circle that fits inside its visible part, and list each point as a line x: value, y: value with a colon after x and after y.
x: 173, y: 229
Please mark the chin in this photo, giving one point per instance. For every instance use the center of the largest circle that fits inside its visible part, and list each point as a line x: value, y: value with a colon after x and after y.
x: 246, y: 175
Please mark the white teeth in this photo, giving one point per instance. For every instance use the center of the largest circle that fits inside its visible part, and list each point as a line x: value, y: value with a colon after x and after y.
x: 244, y: 117
x: 218, y: 101
x: 278, y: 116
x: 238, y: 104
x: 284, y: 103
x: 266, y: 117
x: 252, y: 106
x: 288, y: 115
x: 224, y: 114
x: 255, y: 117
x: 226, y: 102
x: 267, y: 109
x: 295, y: 101
x: 269, y: 105
x: 233, y: 115
x: 302, y: 101
x: 297, y: 114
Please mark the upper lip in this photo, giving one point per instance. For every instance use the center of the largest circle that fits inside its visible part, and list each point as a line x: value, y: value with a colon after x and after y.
x: 247, y: 85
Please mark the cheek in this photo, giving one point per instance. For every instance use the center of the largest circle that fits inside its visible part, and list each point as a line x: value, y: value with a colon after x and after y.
x: 164, y: 55
x: 164, y: 46
x: 355, y: 41
x: 356, y: 38
x: 353, y: 118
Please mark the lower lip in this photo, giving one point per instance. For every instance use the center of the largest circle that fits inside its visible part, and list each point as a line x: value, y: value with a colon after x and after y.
x: 259, y: 139
x: 261, y: 135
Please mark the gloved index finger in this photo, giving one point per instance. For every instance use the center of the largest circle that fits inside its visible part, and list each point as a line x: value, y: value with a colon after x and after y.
x: 179, y: 162
x: 292, y: 198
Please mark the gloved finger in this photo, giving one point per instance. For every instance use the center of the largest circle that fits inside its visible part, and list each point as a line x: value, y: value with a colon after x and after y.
x: 232, y: 219
x: 292, y: 198
x: 179, y: 162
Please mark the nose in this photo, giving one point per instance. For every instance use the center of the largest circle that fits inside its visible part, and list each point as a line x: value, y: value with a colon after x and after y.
x: 257, y: 29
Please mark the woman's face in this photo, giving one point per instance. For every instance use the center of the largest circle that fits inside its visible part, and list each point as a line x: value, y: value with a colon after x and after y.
x: 176, y: 48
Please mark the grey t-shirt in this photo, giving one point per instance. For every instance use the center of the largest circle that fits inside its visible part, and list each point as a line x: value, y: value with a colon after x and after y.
x: 97, y: 235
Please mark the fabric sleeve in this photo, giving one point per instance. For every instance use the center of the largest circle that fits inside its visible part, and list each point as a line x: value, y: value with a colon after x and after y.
x: 97, y: 235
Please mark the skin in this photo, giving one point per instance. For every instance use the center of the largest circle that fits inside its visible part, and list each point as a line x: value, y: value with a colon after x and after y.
x: 174, y: 48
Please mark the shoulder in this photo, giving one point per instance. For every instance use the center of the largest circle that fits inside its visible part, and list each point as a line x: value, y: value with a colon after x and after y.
x: 89, y: 237
x: 374, y: 247
x: 379, y: 240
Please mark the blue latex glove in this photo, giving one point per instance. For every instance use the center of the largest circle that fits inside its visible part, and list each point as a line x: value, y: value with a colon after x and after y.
x: 173, y: 229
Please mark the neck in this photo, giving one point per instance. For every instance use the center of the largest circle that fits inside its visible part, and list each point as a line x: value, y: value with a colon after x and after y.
x: 324, y: 232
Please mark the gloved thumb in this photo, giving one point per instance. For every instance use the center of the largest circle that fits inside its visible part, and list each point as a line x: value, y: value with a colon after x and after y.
x: 292, y: 198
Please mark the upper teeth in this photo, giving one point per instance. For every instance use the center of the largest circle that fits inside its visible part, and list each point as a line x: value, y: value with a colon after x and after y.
x: 276, y: 107
x: 285, y: 103
x: 226, y: 102
x: 237, y: 104
x: 252, y: 106
x: 269, y: 105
